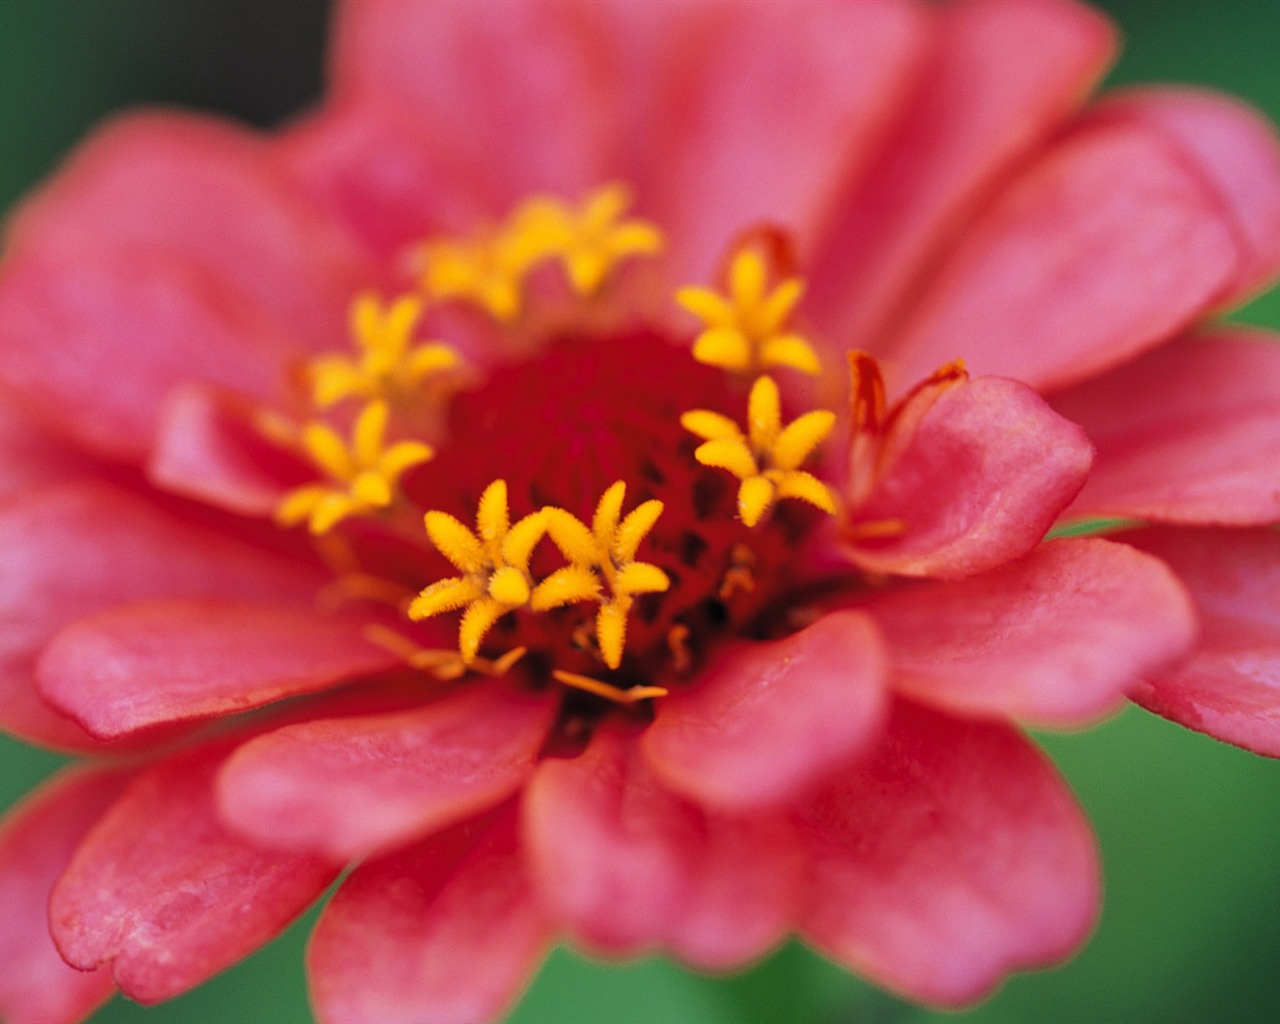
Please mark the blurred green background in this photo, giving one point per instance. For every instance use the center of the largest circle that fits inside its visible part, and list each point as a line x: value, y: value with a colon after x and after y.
x: 1189, y: 828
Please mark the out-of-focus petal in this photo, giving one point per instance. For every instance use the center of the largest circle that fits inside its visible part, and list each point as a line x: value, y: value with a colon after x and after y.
x: 351, y: 786
x: 373, y: 168
x: 765, y: 720
x: 447, y: 931
x: 37, y: 839
x: 208, y: 448
x: 1052, y: 639
x: 1105, y: 246
x: 161, y: 892
x: 165, y: 250
x: 72, y: 550
x: 31, y: 456
x: 1229, y: 687
x: 521, y: 100
x: 974, y: 481
x: 975, y: 112
x: 153, y: 662
x: 954, y: 857
x: 631, y: 867
x: 1235, y: 150
x: 1189, y: 433
x: 764, y: 112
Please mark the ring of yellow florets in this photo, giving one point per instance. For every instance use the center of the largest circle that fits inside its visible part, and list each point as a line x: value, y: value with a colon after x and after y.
x: 746, y: 330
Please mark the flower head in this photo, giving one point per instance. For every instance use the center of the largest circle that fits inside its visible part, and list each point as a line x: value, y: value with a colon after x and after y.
x: 746, y: 624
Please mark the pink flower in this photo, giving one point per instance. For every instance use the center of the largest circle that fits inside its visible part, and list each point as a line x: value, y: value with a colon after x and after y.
x: 708, y: 688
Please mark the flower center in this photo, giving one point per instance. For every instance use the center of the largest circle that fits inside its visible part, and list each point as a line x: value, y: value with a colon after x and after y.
x: 633, y: 502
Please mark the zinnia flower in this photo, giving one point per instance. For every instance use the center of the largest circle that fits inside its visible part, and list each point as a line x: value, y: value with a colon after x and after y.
x: 558, y: 444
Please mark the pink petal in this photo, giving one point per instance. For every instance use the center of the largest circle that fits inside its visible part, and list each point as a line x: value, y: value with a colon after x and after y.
x: 1189, y: 433
x: 72, y: 550
x: 36, y: 840
x: 1236, y: 152
x: 976, y: 110
x: 1053, y: 639
x: 447, y: 931
x: 31, y: 456
x: 1229, y: 687
x: 207, y: 448
x: 143, y: 664
x: 347, y: 787
x: 975, y: 480
x: 369, y: 164
x: 764, y: 720
x: 1105, y: 246
x: 165, y: 251
x: 765, y: 112
x: 161, y: 892
x: 521, y: 100
x: 953, y: 858
x: 630, y: 867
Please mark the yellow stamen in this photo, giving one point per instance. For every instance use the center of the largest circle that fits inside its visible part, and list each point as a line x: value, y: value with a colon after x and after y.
x: 767, y: 458
x: 745, y: 329
x: 494, y: 562
x: 388, y: 365
x: 613, y: 693
x: 592, y: 239
x: 605, y: 554
x: 364, y: 474
x: 589, y: 240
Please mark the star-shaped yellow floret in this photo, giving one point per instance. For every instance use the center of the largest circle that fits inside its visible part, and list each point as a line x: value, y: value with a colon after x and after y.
x: 388, y: 365
x: 363, y: 475
x: 745, y: 330
x: 768, y: 457
x: 487, y: 269
x: 604, y: 552
x: 591, y: 239
x: 493, y: 562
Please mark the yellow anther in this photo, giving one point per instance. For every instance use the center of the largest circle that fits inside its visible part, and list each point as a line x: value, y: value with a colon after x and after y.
x: 487, y: 270
x: 746, y: 329
x: 600, y: 557
x: 388, y: 364
x: 494, y: 562
x: 767, y: 458
x: 590, y: 240
x: 364, y: 474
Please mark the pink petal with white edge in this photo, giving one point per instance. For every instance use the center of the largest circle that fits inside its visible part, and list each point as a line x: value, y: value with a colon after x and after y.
x: 72, y: 550
x: 972, y: 482
x: 630, y: 867
x: 953, y: 858
x: 766, y: 719
x: 1229, y: 687
x: 447, y: 931
x: 481, y: 87
x: 154, y: 662
x: 348, y: 787
x: 1106, y: 246
x: 208, y: 448
x: 1054, y: 639
x: 165, y: 251
x: 37, y: 840
x: 973, y: 114
x: 1235, y: 150
x: 1189, y: 433
x: 788, y: 102
x: 161, y: 892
